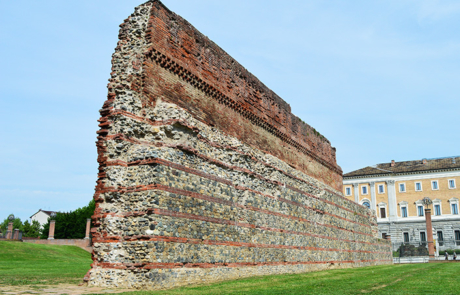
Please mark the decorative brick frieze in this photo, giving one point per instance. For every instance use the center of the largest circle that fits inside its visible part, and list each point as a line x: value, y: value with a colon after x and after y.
x: 205, y: 175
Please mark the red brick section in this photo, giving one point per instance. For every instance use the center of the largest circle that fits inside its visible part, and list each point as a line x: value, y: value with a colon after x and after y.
x: 429, y: 232
x: 51, y: 230
x: 9, y: 234
x: 88, y: 227
x: 16, y: 234
x: 240, y: 104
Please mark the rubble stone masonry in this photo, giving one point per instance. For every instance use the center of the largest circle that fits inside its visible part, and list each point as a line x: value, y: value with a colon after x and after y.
x: 206, y: 175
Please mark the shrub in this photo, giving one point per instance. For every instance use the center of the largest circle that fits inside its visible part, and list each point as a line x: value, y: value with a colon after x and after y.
x: 406, y: 250
x: 31, y: 230
x: 449, y: 251
x: 71, y: 225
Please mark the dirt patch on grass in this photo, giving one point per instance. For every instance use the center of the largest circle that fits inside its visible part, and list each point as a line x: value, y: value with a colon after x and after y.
x: 69, y: 289
x: 381, y: 286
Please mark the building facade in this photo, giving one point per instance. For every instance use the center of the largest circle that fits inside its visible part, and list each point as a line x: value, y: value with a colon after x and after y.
x: 395, y: 191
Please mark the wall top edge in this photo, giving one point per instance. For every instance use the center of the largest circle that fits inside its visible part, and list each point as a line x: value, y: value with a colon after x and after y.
x: 201, y: 56
x: 394, y: 176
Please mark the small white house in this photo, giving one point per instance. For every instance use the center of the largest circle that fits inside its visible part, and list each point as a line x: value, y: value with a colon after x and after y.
x: 41, y: 216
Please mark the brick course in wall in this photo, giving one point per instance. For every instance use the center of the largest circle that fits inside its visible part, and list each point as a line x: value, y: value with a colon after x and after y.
x: 205, y: 174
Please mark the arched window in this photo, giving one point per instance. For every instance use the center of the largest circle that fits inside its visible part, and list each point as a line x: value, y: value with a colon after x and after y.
x: 366, y: 203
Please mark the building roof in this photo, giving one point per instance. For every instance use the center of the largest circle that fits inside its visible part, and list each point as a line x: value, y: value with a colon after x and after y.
x: 417, y: 166
x: 44, y: 211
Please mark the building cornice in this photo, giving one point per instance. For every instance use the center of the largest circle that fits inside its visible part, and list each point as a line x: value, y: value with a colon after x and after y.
x: 399, y: 174
x: 399, y: 220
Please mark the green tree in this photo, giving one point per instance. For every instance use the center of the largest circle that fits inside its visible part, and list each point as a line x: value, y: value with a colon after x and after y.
x: 71, y: 225
x: 31, y: 230
x: 17, y: 223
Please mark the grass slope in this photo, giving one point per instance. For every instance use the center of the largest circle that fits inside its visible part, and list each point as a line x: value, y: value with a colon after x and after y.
x: 29, y: 264
x: 427, y: 278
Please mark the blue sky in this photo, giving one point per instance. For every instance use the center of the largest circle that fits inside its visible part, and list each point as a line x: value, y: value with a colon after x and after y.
x: 380, y: 79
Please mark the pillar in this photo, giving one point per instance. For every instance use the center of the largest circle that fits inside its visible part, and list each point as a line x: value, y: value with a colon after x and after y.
x: 16, y: 234
x: 356, y: 191
x: 51, y: 232
x: 88, y: 227
x: 373, y: 198
x: 429, y: 232
x: 392, y: 208
x: 9, y: 232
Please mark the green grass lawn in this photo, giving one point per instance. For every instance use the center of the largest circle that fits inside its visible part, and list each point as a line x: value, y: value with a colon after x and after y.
x: 427, y: 278
x: 30, y: 264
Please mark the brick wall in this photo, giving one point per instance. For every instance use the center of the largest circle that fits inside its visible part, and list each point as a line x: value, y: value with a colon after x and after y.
x: 205, y: 174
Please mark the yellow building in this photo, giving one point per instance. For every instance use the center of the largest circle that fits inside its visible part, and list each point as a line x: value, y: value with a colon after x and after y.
x: 395, y: 191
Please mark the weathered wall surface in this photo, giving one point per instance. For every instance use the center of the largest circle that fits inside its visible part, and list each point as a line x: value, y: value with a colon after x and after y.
x: 206, y: 175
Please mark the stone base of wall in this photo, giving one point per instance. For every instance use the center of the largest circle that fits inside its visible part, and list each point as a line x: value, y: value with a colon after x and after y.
x: 85, y: 244
x: 168, y: 278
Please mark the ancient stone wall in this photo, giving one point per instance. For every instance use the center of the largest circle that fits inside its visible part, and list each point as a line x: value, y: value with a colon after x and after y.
x: 205, y: 174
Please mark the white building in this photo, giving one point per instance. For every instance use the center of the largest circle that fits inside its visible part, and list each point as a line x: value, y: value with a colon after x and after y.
x: 41, y: 216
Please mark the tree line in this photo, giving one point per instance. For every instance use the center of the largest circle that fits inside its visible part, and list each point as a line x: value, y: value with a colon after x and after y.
x: 69, y: 225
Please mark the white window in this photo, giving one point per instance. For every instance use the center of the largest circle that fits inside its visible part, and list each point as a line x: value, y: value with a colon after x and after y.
x: 366, y: 203
x: 422, y: 236
x: 451, y: 183
x: 402, y: 187
x: 420, y: 210
x: 418, y: 186
x: 403, y: 208
x: 381, y: 189
x: 437, y: 207
x: 440, y: 238
x: 406, y: 237
x: 348, y: 191
x: 382, y: 210
x: 453, y: 206
x: 437, y: 210
x: 403, y: 211
x: 364, y: 190
x: 434, y: 185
